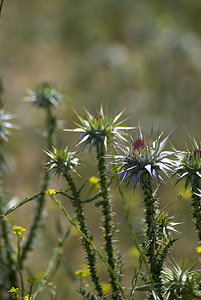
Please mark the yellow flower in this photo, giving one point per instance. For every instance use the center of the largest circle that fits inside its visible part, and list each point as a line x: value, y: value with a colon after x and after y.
x: 14, y: 293
x: 18, y: 230
x: 106, y: 288
x: 50, y: 192
x: 133, y: 252
x: 83, y: 272
x: 27, y: 297
x: 198, y: 249
x: 94, y: 183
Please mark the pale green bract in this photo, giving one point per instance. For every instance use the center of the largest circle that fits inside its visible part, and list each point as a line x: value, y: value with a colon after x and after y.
x: 5, y: 125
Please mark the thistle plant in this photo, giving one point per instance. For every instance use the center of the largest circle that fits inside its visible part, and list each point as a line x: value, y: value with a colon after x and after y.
x: 139, y: 161
x: 47, y: 97
x: 188, y: 167
x: 63, y: 162
x: 100, y: 131
x: 7, y: 260
x: 142, y: 161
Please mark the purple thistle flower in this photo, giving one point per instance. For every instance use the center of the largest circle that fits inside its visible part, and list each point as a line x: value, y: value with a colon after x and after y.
x: 143, y: 158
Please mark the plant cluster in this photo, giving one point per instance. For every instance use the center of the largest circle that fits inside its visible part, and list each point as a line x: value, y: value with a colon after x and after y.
x: 128, y: 160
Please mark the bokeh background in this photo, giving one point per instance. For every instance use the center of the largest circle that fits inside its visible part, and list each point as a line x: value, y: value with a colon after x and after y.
x: 141, y: 56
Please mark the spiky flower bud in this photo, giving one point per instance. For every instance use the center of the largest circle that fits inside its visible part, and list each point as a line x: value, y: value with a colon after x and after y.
x: 45, y: 96
x: 62, y: 161
x: 188, y: 165
x: 98, y: 130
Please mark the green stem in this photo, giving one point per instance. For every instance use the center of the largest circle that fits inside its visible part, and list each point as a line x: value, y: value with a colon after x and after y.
x: 19, y: 265
x: 51, y: 125
x: 89, y: 241
x: 151, y: 233
x: 1, y: 6
x: 81, y: 219
x: 107, y: 213
x: 196, y: 203
x: 130, y: 224
x: 49, y: 270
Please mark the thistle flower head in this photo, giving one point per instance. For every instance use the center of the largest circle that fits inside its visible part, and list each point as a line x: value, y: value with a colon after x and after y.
x: 5, y: 125
x: 62, y: 161
x: 99, y: 129
x: 188, y: 164
x: 181, y: 282
x: 143, y: 157
x: 45, y: 96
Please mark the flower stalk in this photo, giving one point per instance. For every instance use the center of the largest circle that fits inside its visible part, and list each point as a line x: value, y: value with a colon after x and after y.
x: 196, y: 204
x: 82, y: 222
x: 109, y: 228
x: 62, y: 162
x: 46, y: 97
x: 151, y: 246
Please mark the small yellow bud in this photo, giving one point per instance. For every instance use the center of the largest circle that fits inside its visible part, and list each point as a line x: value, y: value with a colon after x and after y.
x: 50, y: 192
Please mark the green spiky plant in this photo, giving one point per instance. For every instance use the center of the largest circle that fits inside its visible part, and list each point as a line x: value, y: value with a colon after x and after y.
x: 63, y: 162
x: 142, y: 161
x: 47, y: 97
x: 7, y: 260
x: 99, y: 132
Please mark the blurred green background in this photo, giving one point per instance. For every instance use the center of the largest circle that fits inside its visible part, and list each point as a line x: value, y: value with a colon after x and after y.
x: 141, y: 56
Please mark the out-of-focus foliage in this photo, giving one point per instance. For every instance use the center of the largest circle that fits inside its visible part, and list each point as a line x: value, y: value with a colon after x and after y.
x: 144, y: 55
